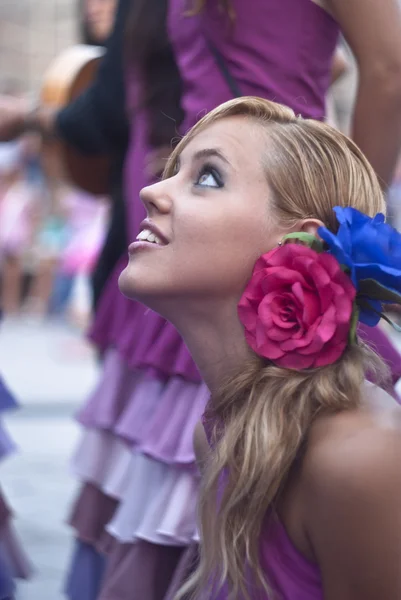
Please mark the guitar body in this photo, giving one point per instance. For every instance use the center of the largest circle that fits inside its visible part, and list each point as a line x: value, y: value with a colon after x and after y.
x: 66, y: 78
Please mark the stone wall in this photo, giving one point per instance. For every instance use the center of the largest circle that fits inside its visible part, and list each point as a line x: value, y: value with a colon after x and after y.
x: 32, y: 32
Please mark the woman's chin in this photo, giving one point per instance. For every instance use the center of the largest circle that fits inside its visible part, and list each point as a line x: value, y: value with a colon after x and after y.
x: 137, y: 286
x: 129, y: 285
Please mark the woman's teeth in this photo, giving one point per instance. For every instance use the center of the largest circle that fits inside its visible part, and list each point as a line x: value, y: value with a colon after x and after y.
x: 148, y: 236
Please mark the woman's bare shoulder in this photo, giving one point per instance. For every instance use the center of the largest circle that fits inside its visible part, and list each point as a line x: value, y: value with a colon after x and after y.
x: 356, y: 441
x: 352, y: 489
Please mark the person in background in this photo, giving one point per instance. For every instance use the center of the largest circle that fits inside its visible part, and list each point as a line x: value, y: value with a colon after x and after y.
x: 339, y: 69
x: 96, y: 19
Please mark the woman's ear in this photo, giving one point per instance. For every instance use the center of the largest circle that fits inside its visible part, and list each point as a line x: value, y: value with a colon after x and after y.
x: 311, y: 226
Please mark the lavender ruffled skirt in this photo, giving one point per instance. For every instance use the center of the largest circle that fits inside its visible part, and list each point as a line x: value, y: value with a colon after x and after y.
x: 137, y: 506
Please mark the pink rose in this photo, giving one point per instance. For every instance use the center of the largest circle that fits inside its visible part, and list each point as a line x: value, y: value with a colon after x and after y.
x: 297, y: 307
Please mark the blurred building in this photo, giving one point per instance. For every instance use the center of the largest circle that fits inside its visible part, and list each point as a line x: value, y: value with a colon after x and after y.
x: 32, y: 32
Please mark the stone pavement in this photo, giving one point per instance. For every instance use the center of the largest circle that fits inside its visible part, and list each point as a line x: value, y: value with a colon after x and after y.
x: 51, y: 370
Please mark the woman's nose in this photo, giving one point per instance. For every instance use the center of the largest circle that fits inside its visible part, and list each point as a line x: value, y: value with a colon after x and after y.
x: 156, y: 198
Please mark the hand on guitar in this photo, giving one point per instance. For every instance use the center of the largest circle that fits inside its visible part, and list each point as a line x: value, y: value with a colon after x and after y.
x: 13, y: 115
x: 17, y: 117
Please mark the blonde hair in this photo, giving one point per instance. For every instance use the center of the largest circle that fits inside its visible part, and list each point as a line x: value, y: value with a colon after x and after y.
x: 265, y: 412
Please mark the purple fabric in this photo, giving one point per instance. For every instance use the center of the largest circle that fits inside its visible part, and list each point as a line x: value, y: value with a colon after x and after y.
x: 140, y: 571
x: 7, y: 584
x: 90, y: 513
x: 11, y: 547
x: 289, y: 573
x: 86, y: 573
x: 280, y: 50
x: 7, y: 400
x: 111, y: 395
x: 169, y: 437
x: 7, y: 445
x: 186, y: 567
x: 379, y: 341
x: 154, y: 416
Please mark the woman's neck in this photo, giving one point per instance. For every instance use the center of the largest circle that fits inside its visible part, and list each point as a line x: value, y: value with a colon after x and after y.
x: 217, y: 344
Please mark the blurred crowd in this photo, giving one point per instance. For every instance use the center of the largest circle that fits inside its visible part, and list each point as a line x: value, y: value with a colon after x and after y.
x: 50, y: 235
x: 50, y: 232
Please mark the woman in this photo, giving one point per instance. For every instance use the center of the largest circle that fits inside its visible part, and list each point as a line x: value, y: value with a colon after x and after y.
x: 302, y: 488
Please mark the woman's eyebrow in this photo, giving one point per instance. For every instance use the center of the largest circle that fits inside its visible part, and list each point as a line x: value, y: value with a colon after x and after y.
x: 211, y: 152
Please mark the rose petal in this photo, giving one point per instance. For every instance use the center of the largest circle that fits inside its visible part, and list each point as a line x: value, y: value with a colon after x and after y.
x: 278, y: 278
x: 279, y: 334
x: 330, y: 353
x: 312, y: 308
x: 269, y: 349
x: 293, y: 360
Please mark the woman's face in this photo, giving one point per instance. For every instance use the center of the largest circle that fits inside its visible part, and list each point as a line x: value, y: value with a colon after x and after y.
x: 211, y: 220
x: 100, y: 18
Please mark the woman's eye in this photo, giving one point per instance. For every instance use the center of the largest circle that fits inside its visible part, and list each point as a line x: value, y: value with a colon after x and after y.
x: 209, y: 178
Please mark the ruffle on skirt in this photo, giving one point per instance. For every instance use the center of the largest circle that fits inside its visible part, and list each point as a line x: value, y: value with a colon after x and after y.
x: 186, y: 567
x: 159, y: 506
x: 14, y: 563
x: 154, y: 416
x: 86, y: 573
x: 112, y: 394
x: 140, y: 571
x: 7, y: 400
x: 7, y: 403
x: 91, y: 512
x: 7, y: 583
x: 7, y: 445
x: 13, y: 554
x: 104, y: 460
x: 143, y: 338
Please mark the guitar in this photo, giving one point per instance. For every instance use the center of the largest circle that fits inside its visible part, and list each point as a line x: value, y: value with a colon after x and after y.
x: 66, y: 78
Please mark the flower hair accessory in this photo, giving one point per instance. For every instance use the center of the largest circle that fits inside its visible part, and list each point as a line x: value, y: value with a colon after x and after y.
x: 300, y: 308
x: 370, y: 251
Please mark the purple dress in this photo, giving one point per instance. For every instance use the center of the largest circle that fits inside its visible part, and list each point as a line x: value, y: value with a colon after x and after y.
x: 290, y: 574
x: 13, y: 561
x: 136, y: 452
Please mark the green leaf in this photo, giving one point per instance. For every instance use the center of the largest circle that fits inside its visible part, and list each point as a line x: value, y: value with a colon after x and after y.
x: 374, y: 290
x: 353, y: 325
x: 306, y: 239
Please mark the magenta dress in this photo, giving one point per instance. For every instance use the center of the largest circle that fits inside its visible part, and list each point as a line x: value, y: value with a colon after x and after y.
x: 289, y: 573
x: 136, y: 459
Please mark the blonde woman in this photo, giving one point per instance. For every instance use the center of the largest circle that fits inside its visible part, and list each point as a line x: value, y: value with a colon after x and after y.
x: 301, y: 495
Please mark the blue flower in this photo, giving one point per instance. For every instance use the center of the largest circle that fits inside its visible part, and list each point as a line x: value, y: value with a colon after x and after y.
x: 371, y: 250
